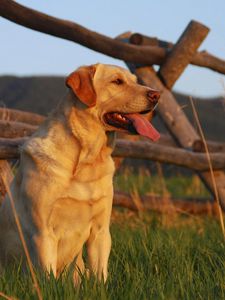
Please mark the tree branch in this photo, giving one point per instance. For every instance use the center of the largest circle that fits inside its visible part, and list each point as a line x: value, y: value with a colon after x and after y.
x: 146, y: 55
x: 71, y: 31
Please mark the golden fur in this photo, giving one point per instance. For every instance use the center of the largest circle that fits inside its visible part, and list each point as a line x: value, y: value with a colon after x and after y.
x: 63, y: 188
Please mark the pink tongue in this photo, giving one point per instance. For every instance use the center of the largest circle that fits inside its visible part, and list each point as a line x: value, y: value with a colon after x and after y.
x: 143, y: 126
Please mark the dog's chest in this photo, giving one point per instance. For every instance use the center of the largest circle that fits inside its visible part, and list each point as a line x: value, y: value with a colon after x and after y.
x: 92, y: 182
x: 88, y: 196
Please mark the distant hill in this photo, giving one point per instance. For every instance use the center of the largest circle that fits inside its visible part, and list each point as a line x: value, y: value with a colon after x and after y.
x: 41, y: 93
x: 36, y: 94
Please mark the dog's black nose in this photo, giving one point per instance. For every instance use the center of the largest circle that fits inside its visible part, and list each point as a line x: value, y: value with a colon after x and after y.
x: 153, y: 96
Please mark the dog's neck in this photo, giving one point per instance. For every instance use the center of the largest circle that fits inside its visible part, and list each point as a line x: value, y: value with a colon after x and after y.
x: 89, y: 132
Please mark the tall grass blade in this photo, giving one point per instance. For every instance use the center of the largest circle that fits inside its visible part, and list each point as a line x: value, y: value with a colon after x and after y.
x: 215, y: 190
x: 6, y: 297
x: 18, y: 224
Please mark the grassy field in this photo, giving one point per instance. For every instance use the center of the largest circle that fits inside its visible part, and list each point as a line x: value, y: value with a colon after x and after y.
x: 153, y: 257
x: 145, y: 183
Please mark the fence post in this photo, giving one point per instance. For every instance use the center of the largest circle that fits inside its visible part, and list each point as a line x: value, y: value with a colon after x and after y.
x: 170, y: 111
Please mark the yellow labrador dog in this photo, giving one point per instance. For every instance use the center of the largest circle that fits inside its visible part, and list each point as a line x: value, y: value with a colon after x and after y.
x: 63, y: 189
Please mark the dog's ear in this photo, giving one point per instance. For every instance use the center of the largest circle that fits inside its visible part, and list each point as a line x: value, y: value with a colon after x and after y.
x: 81, y: 82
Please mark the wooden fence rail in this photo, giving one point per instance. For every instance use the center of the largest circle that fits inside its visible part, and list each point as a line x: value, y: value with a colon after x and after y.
x: 71, y: 31
x: 174, y: 118
x: 15, y: 124
x: 9, y: 148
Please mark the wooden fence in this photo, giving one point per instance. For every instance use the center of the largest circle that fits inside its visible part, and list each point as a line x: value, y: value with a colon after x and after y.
x: 184, y: 147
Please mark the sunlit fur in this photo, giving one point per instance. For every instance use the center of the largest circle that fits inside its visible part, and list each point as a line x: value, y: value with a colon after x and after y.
x: 63, y: 187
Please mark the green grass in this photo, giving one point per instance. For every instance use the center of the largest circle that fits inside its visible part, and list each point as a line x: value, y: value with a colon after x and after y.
x: 150, y: 259
x: 145, y: 183
x: 153, y: 256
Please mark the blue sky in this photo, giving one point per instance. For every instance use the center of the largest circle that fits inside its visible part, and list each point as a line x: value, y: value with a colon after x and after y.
x: 25, y: 52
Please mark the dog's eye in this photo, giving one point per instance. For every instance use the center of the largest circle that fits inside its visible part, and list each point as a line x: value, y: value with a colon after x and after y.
x: 118, y: 81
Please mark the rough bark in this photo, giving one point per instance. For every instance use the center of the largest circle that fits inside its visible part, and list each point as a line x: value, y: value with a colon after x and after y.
x: 201, y: 58
x: 20, y: 116
x: 170, y: 155
x: 144, y: 150
x: 180, y: 55
x: 179, y: 126
x: 12, y: 129
x: 9, y: 148
x: 198, y: 146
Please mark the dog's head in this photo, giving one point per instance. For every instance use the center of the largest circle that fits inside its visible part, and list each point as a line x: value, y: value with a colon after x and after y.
x: 115, y: 98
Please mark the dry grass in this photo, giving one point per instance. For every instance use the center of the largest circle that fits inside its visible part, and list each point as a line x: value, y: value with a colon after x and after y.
x: 7, y: 297
x: 21, y: 236
x: 215, y: 190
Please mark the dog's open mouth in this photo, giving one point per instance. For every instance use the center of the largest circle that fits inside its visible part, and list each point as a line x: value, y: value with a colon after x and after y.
x: 134, y: 123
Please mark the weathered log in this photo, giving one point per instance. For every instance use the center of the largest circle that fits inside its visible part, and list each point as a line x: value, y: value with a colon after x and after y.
x: 169, y: 110
x: 141, y: 39
x: 12, y: 129
x: 198, y: 146
x: 182, y: 52
x: 20, y: 116
x: 180, y: 128
x: 78, y: 34
x: 179, y: 125
x: 143, y: 150
x: 103, y: 44
x: 201, y: 58
x: 170, y: 155
x: 168, y: 205
x: 9, y: 148
x: 167, y: 140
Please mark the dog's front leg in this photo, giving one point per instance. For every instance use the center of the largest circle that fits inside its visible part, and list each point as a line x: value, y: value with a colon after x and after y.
x: 45, y: 253
x: 98, y: 248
